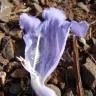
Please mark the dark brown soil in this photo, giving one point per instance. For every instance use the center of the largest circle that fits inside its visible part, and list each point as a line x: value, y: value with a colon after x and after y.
x: 17, y: 81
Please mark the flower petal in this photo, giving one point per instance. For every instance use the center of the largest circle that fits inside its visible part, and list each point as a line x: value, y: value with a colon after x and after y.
x: 54, y: 32
x: 28, y: 23
x: 52, y: 45
x: 79, y: 29
x: 54, y: 13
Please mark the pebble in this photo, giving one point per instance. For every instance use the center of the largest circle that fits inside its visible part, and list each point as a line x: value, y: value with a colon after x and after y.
x: 88, y: 93
x: 42, y: 2
x: 2, y: 77
x: 16, y: 34
x: 15, y: 89
x: 94, y: 41
x: 62, y: 85
x: 5, y: 10
x: 55, y: 88
x: 13, y: 29
x: 1, y: 36
x: 37, y: 7
x: 19, y: 73
x: 83, y: 6
x: 3, y: 60
x: 88, y: 73
x: 7, y: 48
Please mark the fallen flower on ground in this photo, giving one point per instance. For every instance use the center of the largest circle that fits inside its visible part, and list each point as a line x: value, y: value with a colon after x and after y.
x: 45, y: 43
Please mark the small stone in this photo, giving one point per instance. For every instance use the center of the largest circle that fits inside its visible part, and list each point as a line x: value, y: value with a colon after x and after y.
x: 15, y: 89
x: 62, y: 85
x: 7, y: 48
x: 56, y: 89
x: 2, y: 78
x: 19, y: 73
x: 5, y: 10
x: 3, y: 60
x: 13, y: 29
x: 94, y: 40
x: 17, y: 34
x: 88, y: 93
x: 15, y: 65
x: 83, y: 6
x: 88, y: 73
x: 1, y: 36
x: 42, y: 2
x: 37, y: 7
x: 3, y: 28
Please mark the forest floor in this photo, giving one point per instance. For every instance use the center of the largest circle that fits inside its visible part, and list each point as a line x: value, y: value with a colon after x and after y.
x: 15, y: 80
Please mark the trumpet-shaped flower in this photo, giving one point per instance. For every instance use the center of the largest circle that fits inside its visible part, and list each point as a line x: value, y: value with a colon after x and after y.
x: 45, y: 43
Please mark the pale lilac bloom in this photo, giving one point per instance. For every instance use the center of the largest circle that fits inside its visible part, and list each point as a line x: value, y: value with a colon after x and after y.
x: 45, y: 43
x: 79, y: 29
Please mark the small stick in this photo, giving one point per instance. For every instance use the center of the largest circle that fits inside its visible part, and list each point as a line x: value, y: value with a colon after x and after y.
x: 93, y: 22
x: 76, y: 68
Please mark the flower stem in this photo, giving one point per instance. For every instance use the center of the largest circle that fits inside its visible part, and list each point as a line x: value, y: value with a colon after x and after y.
x: 76, y: 68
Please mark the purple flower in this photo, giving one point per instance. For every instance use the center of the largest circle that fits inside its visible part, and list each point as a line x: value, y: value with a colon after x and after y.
x: 79, y: 29
x: 45, y: 43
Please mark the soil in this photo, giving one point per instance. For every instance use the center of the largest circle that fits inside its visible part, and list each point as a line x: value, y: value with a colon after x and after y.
x: 16, y: 82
